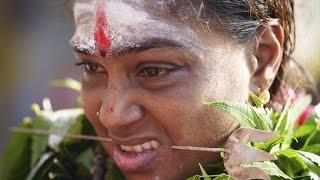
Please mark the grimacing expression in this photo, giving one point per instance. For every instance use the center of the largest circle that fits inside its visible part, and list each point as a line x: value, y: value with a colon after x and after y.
x: 146, y: 90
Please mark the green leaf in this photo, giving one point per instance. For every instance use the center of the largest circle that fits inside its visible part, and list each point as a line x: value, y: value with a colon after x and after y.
x: 222, y: 177
x: 313, y: 157
x: 245, y: 114
x: 257, y: 101
x: 267, y: 146
x: 17, y: 156
x: 196, y: 177
x: 282, y: 121
x: 67, y: 83
x: 304, y: 130
x: 39, y: 143
x: 270, y: 168
x: 74, y: 147
x: 314, y: 170
x: 85, y: 158
x: 204, y: 173
x: 293, y: 114
x: 315, y: 149
x: 114, y: 173
x: 290, y: 162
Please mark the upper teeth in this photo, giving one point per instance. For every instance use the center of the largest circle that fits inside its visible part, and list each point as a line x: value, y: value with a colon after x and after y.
x: 140, y: 147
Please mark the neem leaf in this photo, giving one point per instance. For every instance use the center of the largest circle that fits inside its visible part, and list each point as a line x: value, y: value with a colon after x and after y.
x: 39, y: 143
x: 222, y: 177
x: 315, y: 149
x: 114, y: 173
x: 196, y: 177
x: 298, y: 163
x: 267, y: 146
x: 204, y: 173
x: 245, y: 114
x: 314, y: 170
x: 74, y: 147
x: 85, y: 158
x: 304, y: 130
x: 17, y: 156
x: 293, y: 159
x: 313, y: 157
x: 255, y: 99
x: 270, y: 168
x: 67, y: 83
x: 282, y: 121
x: 293, y: 114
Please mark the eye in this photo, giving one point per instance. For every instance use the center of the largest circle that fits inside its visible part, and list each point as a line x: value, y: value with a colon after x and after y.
x: 151, y: 72
x: 91, y: 68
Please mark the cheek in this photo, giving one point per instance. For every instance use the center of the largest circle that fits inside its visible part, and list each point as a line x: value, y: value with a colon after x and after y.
x: 185, y: 117
x: 92, y: 100
x: 228, y: 77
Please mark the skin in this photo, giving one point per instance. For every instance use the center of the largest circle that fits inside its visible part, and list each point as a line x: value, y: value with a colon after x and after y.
x: 158, y: 91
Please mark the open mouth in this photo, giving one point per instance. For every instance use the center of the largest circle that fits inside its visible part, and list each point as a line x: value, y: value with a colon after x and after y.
x: 136, y: 157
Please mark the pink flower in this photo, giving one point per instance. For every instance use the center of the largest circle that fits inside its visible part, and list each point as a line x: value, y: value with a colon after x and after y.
x: 305, y: 115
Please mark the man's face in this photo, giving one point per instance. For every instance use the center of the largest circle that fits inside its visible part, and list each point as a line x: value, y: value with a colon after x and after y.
x: 148, y: 71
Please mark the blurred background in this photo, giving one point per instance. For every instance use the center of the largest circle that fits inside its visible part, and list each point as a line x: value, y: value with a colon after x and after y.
x: 34, y: 50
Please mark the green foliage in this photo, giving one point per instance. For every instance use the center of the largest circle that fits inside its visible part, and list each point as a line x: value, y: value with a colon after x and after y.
x: 247, y: 115
x: 67, y: 83
x: 297, y: 148
x: 315, y: 149
x: 39, y: 143
x: 204, y: 173
x: 17, y: 157
x: 269, y: 167
x: 38, y: 158
x: 114, y: 173
x: 222, y: 177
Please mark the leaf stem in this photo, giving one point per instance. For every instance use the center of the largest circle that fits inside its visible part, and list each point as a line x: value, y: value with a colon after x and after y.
x: 311, y: 136
x: 192, y: 148
x: 39, y: 132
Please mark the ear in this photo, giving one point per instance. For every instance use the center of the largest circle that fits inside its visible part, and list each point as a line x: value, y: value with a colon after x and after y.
x: 267, y: 56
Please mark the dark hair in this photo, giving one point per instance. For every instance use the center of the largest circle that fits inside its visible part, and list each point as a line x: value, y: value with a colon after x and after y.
x: 242, y: 18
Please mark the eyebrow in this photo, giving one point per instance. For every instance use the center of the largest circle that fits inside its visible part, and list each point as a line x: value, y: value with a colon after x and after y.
x: 136, y: 47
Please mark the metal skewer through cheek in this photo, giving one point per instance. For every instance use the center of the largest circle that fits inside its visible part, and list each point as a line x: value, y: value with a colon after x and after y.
x: 39, y: 132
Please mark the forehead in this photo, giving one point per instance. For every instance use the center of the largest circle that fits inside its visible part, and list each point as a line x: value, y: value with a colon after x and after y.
x: 131, y: 21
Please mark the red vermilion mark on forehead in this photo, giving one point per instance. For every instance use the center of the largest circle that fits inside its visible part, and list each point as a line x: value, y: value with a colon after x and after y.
x: 101, y: 31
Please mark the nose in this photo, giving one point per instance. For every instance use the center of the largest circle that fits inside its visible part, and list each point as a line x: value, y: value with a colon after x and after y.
x: 119, y: 109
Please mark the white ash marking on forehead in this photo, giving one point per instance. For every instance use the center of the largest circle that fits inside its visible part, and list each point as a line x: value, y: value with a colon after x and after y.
x: 127, y: 25
x: 84, y: 14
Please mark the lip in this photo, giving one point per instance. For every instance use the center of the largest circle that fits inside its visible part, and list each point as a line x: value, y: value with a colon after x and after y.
x: 133, y: 162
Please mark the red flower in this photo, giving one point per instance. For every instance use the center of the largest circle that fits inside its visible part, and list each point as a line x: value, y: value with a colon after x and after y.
x: 305, y: 115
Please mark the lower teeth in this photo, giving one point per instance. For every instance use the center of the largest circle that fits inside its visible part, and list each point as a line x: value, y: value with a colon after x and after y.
x: 130, y: 153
